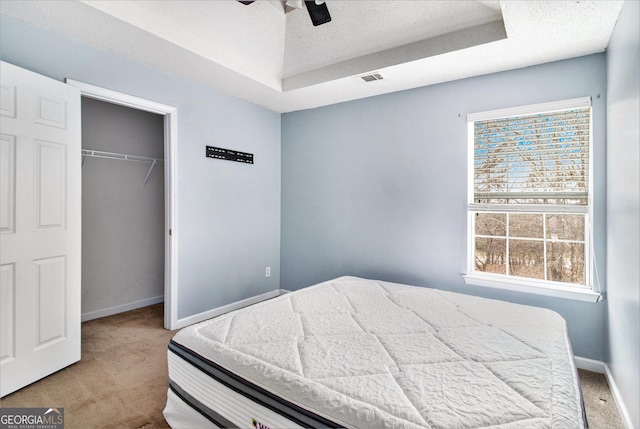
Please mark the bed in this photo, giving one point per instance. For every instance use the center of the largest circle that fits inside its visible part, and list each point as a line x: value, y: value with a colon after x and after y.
x: 361, y: 353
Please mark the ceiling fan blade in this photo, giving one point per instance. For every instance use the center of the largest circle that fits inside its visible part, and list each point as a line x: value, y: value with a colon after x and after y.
x: 319, y: 13
x: 295, y: 4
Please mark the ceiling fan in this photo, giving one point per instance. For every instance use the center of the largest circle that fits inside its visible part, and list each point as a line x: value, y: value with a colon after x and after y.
x: 318, y: 11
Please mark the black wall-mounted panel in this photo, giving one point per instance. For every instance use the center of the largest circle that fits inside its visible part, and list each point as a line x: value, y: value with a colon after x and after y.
x: 229, y: 155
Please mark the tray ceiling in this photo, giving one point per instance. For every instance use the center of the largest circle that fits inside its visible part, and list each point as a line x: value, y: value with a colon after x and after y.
x: 279, y: 60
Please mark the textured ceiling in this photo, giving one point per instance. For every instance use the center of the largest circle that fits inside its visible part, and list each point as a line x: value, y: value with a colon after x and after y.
x: 280, y: 61
x: 366, y: 27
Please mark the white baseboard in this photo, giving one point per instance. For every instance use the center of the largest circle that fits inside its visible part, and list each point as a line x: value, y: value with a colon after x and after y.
x: 181, y: 323
x: 602, y: 368
x: 626, y: 418
x: 589, y: 364
x: 121, y: 308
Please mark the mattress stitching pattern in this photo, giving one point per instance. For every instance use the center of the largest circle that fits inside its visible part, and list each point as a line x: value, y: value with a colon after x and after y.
x: 360, y: 372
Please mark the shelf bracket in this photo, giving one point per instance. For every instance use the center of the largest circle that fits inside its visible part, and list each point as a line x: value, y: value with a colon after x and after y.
x: 149, y: 172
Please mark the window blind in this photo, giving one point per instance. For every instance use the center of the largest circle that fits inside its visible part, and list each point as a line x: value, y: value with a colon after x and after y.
x: 540, y: 159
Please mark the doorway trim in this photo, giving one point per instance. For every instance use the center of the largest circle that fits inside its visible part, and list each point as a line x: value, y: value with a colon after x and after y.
x: 170, y: 114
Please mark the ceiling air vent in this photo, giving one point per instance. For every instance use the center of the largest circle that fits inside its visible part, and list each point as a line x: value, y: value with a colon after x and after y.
x: 371, y: 77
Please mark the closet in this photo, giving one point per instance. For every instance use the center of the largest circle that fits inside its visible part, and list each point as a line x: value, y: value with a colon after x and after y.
x: 122, y: 208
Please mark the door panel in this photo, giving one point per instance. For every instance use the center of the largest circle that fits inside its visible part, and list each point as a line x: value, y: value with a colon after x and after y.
x: 7, y: 183
x: 7, y: 312
x: 50, y: 184
x: 8, y: 100
x: 50, y: 275
x: 40, y: 192
x: 51, y: 111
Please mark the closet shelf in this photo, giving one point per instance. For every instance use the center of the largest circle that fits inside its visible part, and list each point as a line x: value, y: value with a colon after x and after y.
x: 121, y: 157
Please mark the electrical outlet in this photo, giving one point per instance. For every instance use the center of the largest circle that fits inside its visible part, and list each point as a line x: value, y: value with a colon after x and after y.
x: 267, y: 272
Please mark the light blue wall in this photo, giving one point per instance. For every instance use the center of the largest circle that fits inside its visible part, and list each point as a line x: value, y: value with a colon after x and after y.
x: 228, y: 213
x: 623, y: 207
x: 378, y: 187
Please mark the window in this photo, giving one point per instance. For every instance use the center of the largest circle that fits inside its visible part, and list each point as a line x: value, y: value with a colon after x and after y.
x: 529, y: 197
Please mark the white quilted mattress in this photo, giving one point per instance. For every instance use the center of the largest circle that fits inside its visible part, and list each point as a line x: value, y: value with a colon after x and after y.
x: 370, y: 354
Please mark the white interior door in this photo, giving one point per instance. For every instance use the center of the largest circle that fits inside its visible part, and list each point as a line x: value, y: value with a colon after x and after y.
x: 40, y: 208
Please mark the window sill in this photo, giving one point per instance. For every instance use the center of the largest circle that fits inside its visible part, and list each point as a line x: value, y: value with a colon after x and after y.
x: 533, y: 287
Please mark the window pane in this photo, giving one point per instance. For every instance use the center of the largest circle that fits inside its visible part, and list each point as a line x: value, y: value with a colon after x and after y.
x: 543, y: 155
x: 525, y: 225
x: 531, y: 170
x: 526, y: 258
x: 565, y: 227
x: 565, y: 262
x: 491, y: 224
x: 490, y: 255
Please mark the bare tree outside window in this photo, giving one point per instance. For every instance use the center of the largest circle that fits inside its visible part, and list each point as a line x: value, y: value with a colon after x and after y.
x: 530, y: 207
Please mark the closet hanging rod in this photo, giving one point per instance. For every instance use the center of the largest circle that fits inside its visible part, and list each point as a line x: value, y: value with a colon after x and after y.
x: 120, y: 156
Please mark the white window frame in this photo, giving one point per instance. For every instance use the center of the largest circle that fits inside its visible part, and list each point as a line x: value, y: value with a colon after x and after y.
x: 522, y: 284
